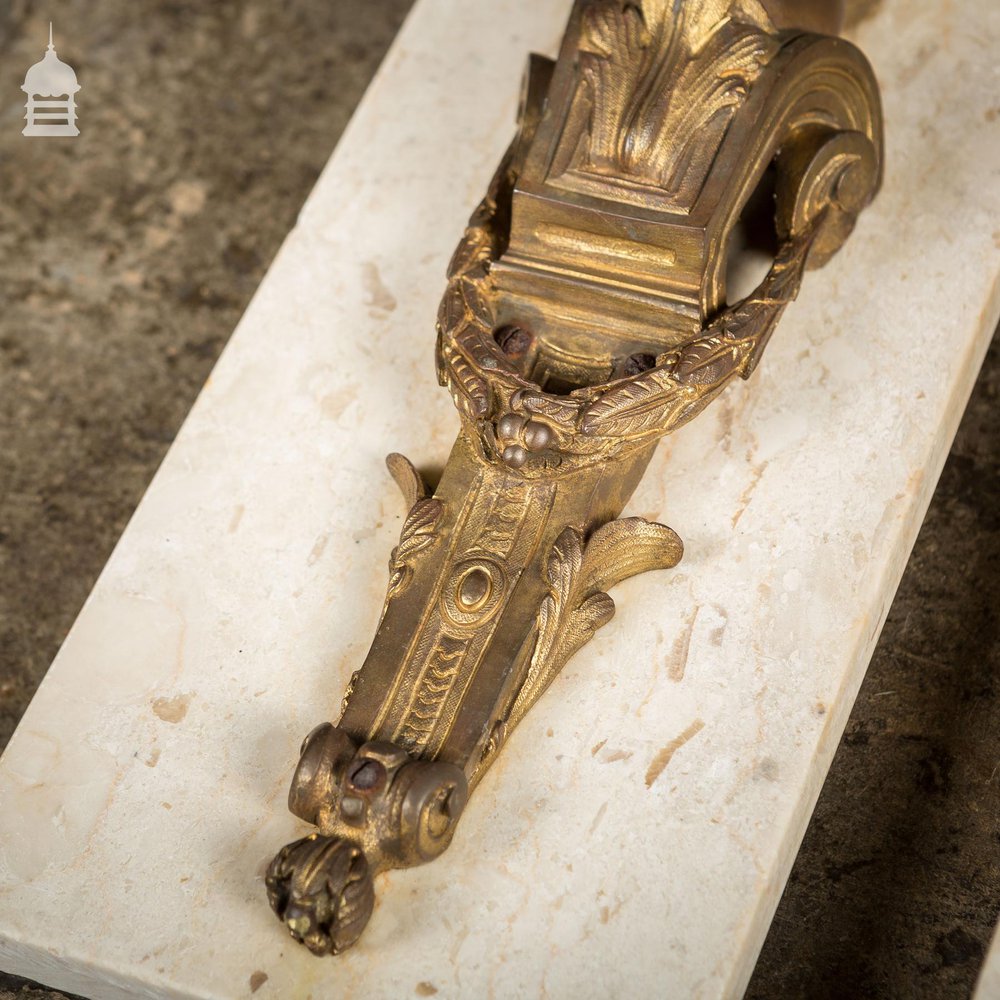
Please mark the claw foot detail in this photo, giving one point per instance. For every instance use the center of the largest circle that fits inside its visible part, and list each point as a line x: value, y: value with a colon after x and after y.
x: 376, y: 808
x: 321, y: 890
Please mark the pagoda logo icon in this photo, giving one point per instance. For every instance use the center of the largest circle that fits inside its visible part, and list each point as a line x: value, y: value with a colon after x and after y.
x: 51, y: 87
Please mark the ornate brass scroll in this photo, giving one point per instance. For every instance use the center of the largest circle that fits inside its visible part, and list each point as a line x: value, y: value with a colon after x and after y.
x: 585, y: 317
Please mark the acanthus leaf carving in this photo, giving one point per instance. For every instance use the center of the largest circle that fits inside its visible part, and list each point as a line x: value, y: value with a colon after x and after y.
x: 419, y: 532
x: 410, y: 482
x: 661, y: 83
x: 625, y: 548
x: 576, y: 606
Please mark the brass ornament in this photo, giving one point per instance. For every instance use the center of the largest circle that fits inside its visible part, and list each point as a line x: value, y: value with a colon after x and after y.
x: 584, y: 317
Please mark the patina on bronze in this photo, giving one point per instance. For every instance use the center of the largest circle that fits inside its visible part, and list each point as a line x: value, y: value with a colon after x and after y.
x: 585, y: 317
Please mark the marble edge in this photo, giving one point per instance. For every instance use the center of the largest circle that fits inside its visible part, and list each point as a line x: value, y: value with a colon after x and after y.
x: 892, y: 573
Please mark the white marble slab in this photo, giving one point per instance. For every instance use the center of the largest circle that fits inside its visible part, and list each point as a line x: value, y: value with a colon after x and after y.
x: 637, y: 832
x: 988, y: 983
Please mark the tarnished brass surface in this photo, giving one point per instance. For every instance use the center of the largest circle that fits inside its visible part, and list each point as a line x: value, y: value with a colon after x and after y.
x: 585, y: 317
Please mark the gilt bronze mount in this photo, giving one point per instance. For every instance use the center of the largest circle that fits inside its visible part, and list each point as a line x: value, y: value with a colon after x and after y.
x: 585, y: 316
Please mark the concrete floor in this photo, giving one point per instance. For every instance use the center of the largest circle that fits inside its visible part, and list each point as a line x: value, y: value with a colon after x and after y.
x: 126, y: 258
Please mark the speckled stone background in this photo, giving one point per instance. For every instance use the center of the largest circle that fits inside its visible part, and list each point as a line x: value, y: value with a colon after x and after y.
x: 126, y: 258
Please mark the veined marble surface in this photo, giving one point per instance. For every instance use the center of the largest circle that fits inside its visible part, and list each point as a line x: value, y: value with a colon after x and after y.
x: 637, y: 831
